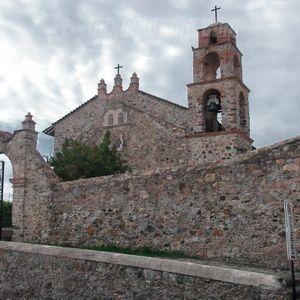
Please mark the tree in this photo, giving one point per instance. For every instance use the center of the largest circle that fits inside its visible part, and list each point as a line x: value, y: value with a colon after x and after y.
x: 77, y: 160
x: 7, y: 206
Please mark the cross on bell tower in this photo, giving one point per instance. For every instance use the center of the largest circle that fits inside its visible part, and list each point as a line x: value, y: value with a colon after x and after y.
x: 216, y: 12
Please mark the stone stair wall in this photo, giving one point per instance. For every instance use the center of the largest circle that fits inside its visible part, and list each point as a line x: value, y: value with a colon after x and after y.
x: 44, y: 272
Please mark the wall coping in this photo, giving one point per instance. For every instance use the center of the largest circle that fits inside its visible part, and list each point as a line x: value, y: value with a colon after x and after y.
x: 196, y: 269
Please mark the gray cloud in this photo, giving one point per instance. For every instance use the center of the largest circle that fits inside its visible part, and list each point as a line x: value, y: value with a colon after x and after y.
x: 57, y: 51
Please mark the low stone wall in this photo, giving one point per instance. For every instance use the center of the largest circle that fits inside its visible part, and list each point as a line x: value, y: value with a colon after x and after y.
x: 41, y: 272
x: 231, y: 211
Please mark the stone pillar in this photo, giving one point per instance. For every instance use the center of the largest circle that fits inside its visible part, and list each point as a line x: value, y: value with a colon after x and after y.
x: 19, y: 151
x: 28, y: 123
x: 102, y: 88
x: 134, y: 82
x: 32, y: 181
x: 28, y: 132
x: 118, y: 84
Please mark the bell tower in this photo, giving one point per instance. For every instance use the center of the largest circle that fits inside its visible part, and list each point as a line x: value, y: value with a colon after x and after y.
x: 218, y: 98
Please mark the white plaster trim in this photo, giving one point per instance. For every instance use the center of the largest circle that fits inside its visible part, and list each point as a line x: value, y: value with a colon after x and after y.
x: 219, y: 273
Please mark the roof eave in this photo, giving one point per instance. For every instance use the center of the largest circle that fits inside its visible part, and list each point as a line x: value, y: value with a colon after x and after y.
x: 50, y: 130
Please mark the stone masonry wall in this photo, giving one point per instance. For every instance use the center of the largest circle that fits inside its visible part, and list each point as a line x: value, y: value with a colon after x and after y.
x: 148, y: 143
x: 42, y: 272
x: 228, y: 211
x: 91, y: 114
x: 216, y: 146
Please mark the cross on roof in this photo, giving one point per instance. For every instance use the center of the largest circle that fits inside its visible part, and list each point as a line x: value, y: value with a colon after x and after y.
x: 118, y: 67
x: 216, y: 12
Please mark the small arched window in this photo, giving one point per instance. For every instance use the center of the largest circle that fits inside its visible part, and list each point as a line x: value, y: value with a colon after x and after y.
x: 120, y: 118
x: 213, y: 37
x: 110, y: 120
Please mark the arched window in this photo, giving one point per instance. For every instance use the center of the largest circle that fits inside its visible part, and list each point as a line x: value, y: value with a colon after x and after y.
x: 110, y: 120
x: 120, y: 118
x: 212, y: 111
x: 213, y: 37
x: 212, y: 66
x: 243, y: 112
x: 114, y: 117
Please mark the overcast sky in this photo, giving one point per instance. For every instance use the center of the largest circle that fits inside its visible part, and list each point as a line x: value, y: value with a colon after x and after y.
x: 53, y: 54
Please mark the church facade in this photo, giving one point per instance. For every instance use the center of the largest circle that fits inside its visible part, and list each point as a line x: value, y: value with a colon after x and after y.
x: 152, y: 133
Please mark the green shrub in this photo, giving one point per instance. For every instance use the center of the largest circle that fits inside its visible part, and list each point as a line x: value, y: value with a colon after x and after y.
x: 7, y: 207
x: 78, y: 160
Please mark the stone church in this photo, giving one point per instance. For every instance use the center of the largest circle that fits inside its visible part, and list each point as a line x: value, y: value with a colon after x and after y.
x: 228, y: 214
x: 151, y: 132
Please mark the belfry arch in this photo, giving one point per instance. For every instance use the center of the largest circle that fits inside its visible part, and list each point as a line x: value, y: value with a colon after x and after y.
x: 212, y: 110
x: 211, y: 65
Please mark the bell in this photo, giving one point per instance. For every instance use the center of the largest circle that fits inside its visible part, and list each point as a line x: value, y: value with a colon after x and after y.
x: 213, y: 107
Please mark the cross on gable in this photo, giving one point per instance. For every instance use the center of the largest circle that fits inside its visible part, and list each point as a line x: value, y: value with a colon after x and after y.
x: 118, y: 67
x: 216, y: 12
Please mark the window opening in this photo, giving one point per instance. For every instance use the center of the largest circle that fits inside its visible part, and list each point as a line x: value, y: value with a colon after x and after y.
x: 212, y: 66
x: 120, y: 118
x: 213, y: 38
x: 110, y: 120
x: 218, y: 73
